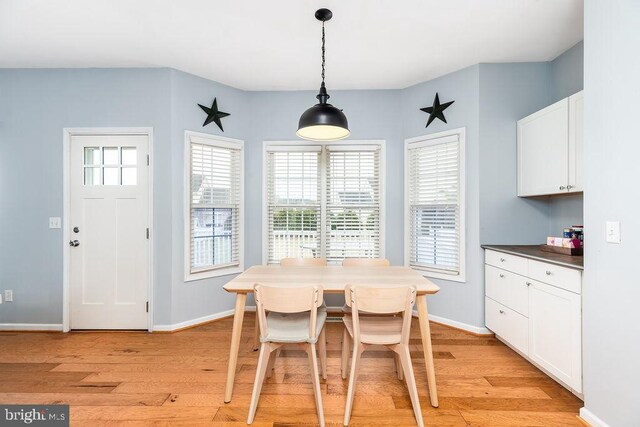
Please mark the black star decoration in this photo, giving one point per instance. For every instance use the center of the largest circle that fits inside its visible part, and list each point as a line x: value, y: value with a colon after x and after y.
x: 436, y: 110
x: 213, y: 115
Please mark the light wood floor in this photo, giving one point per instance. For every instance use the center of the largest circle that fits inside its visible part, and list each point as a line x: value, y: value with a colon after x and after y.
x: 178, y: 379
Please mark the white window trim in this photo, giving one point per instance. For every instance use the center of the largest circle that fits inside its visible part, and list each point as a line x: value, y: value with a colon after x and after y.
x: 216, y: 141
x: 271, y: 146
x: 423, y: 140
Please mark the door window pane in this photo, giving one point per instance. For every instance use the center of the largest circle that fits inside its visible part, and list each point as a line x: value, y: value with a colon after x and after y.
x: 129, y: 156
x: 110, y: 155
x: 129, y: 176
x: 91, y: 176
x: 92, y: 156
x: 111, y: 176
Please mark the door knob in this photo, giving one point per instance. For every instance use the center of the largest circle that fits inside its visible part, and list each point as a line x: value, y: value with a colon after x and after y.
x: 74, y: 243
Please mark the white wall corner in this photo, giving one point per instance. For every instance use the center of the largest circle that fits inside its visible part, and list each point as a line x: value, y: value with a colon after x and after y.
x: 589, y: 417
x: 30, y: 326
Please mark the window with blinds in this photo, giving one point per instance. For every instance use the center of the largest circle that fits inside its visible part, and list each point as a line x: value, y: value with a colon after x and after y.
x: 353, y: 202
x: 215, y: 199
x: 323, y: 201
x: 435, y: 193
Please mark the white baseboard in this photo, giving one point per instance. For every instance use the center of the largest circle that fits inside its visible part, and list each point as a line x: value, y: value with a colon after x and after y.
x: 457, y: 325
x: 589, y: 417
x: 30, y: 326
x: 193, y: 322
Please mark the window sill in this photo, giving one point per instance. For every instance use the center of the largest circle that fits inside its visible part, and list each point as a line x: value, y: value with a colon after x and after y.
x: 460, y: 278
x: 219, y: 272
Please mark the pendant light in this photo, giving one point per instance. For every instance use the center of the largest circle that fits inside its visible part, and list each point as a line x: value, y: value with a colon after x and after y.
x: 323, y: 121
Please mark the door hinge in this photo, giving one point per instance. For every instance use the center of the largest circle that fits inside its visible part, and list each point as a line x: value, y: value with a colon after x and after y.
x: 147, y: 160
x: 147, y: 306
x: 147, y: 233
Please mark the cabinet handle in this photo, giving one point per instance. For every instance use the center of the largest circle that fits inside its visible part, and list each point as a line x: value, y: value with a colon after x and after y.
x: 562, y: 187
x: 528, y: 283
x: 501, y: 311
x: 502, y: 276
x: 548, y: 273
x: 502, y: 260
x: 569, y: 187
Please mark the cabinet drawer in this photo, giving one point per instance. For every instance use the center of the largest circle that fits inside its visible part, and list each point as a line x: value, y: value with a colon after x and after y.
x: 507, y: 324
x: 507, y: 288
x: 562, y: 277
x: 506, y: 262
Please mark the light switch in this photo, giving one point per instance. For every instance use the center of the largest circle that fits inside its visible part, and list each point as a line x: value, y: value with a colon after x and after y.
x: 55, y: 222
x: 613, y: 231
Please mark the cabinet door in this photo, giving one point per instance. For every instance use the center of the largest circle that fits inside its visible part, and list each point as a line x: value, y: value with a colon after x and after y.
x: 576, y: 136
x: 543, y: 151
x: 555, y: 332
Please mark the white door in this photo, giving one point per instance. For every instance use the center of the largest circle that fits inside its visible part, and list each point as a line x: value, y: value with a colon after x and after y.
x: 576, y: 138
x: 543, y: 151
x: 555, y: 332
x: 109, y: 261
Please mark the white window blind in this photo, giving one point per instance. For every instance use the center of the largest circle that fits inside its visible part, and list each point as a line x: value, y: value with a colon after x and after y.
x: 323, y: 201
x: 353, y: 202
x: 215, y: 201
x: 435, y: 205
x: 293, y: 202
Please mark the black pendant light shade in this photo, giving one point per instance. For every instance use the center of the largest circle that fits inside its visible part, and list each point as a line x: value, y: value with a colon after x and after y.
x: 323, y: 121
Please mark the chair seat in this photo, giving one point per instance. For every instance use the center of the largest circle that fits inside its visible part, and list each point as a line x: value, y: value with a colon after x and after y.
x: 380, y: 330
x: 292, y: 328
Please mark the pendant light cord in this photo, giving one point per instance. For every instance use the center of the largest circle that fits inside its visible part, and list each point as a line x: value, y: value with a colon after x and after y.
x: 323, y: 52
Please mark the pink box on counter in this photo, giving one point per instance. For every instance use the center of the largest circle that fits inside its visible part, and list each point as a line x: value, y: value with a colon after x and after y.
x: 563, y: 242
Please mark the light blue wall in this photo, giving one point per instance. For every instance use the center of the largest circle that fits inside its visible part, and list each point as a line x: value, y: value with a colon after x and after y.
x: 566, y: 76
x: 198, y: 298
x: 36, y: 105
x: 462, y: 302
x: 508, y: 92
x: 611, y: 291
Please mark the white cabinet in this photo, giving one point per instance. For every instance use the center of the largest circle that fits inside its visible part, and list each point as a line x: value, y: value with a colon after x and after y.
x: 536, y: 308
x: 550, y: 149
x: 555, y: 341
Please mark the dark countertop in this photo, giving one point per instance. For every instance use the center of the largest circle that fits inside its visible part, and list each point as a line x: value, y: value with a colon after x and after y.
x: 534, y: 252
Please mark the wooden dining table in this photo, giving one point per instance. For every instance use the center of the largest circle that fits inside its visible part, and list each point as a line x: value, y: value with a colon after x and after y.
x: 333, y: 280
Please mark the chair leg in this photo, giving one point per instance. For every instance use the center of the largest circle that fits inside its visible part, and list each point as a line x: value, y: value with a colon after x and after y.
x: 263, y: 361
x: 256, y: 334
x: 322, y: 350
x: 272, y: 362
x: 355, y: 362
x: 315, y: 380
x: 345, y: 353
x: 405, y: 359
x: 398, y: 365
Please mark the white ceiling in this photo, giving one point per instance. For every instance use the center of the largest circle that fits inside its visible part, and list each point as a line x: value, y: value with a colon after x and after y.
x: 275, y: 44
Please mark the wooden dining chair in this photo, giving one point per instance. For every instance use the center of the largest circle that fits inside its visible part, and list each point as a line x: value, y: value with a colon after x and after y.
x: 303, y: 262
x: 291, y: 262
x: 366, y: 262
x: 392, y: 332
x: 293, y: 318
x: 346, y: 310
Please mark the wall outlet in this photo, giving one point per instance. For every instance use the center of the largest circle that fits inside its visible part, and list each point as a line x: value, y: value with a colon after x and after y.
x: 613, y: 231
x: 0, y: 298
x: 55, y: 222
x: 8, y: 295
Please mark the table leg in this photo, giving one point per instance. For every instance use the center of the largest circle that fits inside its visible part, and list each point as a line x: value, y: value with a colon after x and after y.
x: 425, y: 331
x: 235, y: 345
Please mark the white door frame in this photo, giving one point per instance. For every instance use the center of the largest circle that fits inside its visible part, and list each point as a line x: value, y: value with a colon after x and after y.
x: 67, y: 133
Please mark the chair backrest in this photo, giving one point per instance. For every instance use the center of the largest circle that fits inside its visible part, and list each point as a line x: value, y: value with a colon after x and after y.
x: 289, y: 299
x: 303, y: 262
x: 381, y: 300
x: 366, y: 262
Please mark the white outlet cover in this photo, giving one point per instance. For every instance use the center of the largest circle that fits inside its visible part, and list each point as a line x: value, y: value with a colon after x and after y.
x: 55, y: 222
x: 613, y: 231
x: 8, y: 295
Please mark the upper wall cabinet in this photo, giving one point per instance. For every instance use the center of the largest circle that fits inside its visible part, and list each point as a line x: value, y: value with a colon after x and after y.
x: 550, y: 149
